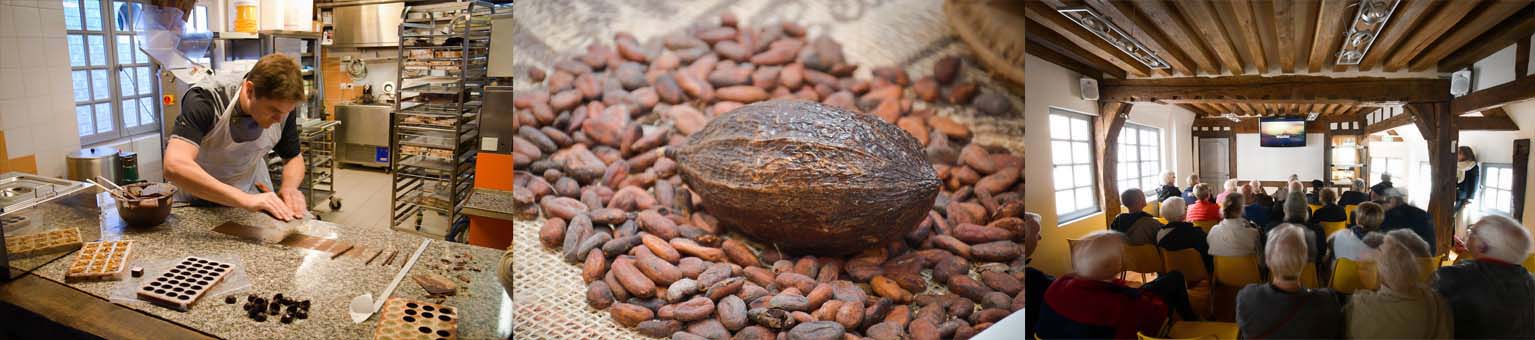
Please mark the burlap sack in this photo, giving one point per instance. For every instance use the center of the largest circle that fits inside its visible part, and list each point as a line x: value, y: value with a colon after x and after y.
x: 548, y: 294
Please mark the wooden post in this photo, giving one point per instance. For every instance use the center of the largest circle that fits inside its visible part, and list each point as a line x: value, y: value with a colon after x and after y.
x: 1111, y: 120
x: 1437, y: 124
x: 1521, y: 168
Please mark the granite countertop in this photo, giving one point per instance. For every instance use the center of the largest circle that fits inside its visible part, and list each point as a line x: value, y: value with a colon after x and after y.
x: 490, y: 203
x: 299, y: 273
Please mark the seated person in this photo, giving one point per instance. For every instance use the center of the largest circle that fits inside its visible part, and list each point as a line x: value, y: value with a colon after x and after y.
x: 1354, y: 195
x: 1231, y: 186
x: 1492, y: 296
x: 1313, y: 197
x: 1400, y: 215
x: 1203, y: 208
x: 1330, y: 210
x: 1385, y: 183
x: 1135, y: 223
x: 1169, y: 188
x: 1405, y: 307
x: 1349, y: 243
x: 1188, y: 193
x: 1179, y: 234
x: 1282, y: 308
x: 1035, y: 281
x: 1092, y: 303
x: 1258, y: 209
x: 1297, y: 212
x: 1234, y: 236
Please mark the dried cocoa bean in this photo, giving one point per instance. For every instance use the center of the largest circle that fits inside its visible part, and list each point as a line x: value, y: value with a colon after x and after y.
x: 952, y: 244
x: 714, y: 273
x: 619, y: 294
x: 598, y: 296
x: 993, y: 103
x: 818, y: 330
x: 690, y: 247
x: 691, y: 267
x: 889, y: 289
x: 552, y: 234
x: 996, y: 300
x: 772, y: 318
x: 967, y: 287
x: 739, y: 253
x: 659, y: 328
x: 790, y: 302
x: 946, y: 69
x: 681, y: 289
x: 1002, y: 282
x: 629, y: 315
x: 620, y: 245
x: 659, y: 271
x: 732, y: 312
x: 795, y: 280
x: 755, y: 333
x: 596, y: 239
x: 697, y: 308
x: 886, y: 331
x: 850, y: 315
x: 927, y: 89
x: 594, y: 267
x: 998, y: 181
x: 633, y: 281
x: 709, y: 328
x: 608, y: 215
x: 727, y: 287
x: 652, y: 222
x: 962, y: 93
x: 989, y: 315
x: 744, y: 94
x: 922, y: 329
x: 847, y: 291
x: 687, y: 336
x: 577, y: 231
x: 999, y: 251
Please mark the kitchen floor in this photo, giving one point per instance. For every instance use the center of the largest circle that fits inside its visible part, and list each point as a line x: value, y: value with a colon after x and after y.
x: 364, y: 197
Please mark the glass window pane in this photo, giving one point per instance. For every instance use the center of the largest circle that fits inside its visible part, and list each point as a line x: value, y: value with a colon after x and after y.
x: 147, y: 107
x: 98, y: 49
x: 1058, y: 128
x: 1079, y: 130
x: 101, y: 86
x: 1149, y: 138
x: 1127, y: 137
x: 1063, y: 177
x: 130, y: 113
x: 1064, y: 202
x: 82, y: 85
x: 1084, y: 175
x: 1060, y: 152
x: 124, y: 18
x: 83, y: 120
x: 1148, y: 153
x: 1081, y: 153
x: 93, y: 15
x: 1507, y: 181
x: 1492, y: 178
x: 1084, y: 198
x: 72, y: 14
x: 104, y: 117
x: 76, y: 44
x: 124, y: 49
x: 126, y: 85
x: 146, y: 81
x: 138, y: 55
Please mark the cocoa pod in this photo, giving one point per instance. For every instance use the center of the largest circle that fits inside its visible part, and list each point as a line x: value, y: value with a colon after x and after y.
x: 594, y: 267
x: 633, y: 281
x: 818, y: 330
x: 739, y: 253
x: 732, y: 312
x: 598, y: 296
x: 629, y: 315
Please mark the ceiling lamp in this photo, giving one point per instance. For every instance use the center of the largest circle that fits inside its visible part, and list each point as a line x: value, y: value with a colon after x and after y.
x: 1233, y: 117
x: 1312, y: 116
x: 1101, y: 27
x: 1368, y: 22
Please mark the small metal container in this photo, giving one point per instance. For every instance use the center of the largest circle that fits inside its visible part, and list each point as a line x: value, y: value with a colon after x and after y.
x: 88, y: 163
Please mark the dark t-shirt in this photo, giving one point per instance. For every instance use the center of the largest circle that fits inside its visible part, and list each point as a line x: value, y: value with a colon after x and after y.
x: 199, y: 114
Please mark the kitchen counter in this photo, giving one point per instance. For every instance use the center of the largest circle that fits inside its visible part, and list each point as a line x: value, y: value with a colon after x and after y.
x: 299, y: 273
x: 490, y: 203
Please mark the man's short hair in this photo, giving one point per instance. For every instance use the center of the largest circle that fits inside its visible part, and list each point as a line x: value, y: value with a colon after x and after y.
x: 276, y: 76
x: 1328, y: 196
x: 1132, y: 196
x: 1505, y: 240
x: 1096, y: 254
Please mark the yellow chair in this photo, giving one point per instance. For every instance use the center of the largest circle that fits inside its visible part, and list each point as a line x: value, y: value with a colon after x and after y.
x: 1308, y: 277
x: 1163, y: 220
x: 1529, y: 263
x: 1153, y: 208
x: 1203, y: 330
x: 1314, y: 207
x: 1143, y: 336
x: 1237, y: 271
x: 1186, y: 261
x: 1348, y: 210
x: 1345, y: 276
x: 1430, y: 265
x: 1145, y: 258
x: 1369, y: 277
x: 1205, y: 225
x: 1333, y: 227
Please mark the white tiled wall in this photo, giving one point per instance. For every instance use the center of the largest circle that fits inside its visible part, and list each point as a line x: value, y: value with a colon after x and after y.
x: 36, y: 102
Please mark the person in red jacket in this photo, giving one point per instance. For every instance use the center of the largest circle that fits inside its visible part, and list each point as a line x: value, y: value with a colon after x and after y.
x: 1090, y: 303
x: 1203, y: 208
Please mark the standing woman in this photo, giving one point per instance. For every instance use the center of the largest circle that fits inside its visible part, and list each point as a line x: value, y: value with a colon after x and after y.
x: 1467, y: 177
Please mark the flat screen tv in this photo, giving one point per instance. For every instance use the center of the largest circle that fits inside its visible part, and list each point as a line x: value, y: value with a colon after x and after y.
x: 1282, y: 132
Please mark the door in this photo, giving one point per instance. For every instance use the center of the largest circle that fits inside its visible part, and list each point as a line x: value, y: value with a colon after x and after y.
x: 1214, y: 160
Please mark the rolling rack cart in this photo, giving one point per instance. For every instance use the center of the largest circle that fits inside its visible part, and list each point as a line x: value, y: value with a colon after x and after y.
x: 435, y: 126
x: 319, y: 142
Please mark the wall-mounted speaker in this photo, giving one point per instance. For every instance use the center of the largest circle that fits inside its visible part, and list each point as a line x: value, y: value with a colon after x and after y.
x: 1460, y: 83
x: 1089, y: 88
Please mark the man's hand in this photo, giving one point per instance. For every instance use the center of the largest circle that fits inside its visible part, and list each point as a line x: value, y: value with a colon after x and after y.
x: 269, y: 203
x: 295, y: 201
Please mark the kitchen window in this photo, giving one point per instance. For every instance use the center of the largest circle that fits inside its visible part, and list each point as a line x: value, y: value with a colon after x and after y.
x: 1071, y: 152
x: 115, y: 92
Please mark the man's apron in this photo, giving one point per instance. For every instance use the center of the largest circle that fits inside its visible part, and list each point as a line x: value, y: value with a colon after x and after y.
x: 241, y: 162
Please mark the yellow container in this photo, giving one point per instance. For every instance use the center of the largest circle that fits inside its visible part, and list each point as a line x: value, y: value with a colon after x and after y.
x: 247, y: 16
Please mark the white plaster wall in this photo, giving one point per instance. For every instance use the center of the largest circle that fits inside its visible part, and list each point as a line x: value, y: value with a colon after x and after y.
x: 1277, y: 164
x: 1049, y: 85
x: 1177, y: 138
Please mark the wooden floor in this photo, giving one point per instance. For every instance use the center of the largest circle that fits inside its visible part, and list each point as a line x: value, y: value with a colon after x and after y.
x: 364, y: 197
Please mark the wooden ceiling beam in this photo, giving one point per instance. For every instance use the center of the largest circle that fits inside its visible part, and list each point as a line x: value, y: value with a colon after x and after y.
x: 1510, y: 31
x: 1489, y: 15
x: 1178, y: 30
x: 1203, y: 18
x: 1329, y: 33
x: 1305, y: 21
x: 1259, y: 101
x: 1048, y: 17
x: 1520, y: 89
x: 1263, y: 12
x: 1362, y: 89
x: 1142, y: 29
x: 1284, y: 33
x: 1398, y: 27
x: 1239, y: 17
x: 1486, y: 124
x: 1438, y: 23
x: 1046, y: 44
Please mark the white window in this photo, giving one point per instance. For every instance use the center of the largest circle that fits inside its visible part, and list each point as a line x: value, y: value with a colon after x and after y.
x: 1140, y: 161
x: 1497, y: 191
x: 1422, y: 185
x: 1071, y: 149
x: 115, y: 92
x: 1389, y: 166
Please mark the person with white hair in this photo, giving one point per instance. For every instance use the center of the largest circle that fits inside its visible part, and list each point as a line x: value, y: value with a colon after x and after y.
x: 1179, y: 234
x: 1091, y: 303
x: 1492, y: 295
x: 1404, y: 307
x: 1134, y: 222
x: 1385, y: 183
x: 1401, y: 215
x: 1169, y: 187
x: 1355, y: 195
x: 1234, y: 236
x: 1035, y: 281
x: 1282, y: 308
x: 1231, y: 186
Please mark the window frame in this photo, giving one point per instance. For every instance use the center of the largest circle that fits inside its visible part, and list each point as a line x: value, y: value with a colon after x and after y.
x: 1135, y: 148
x: 1423, y: 176
x: 1481, y: 200
x: 117, y: 71
x: 1092, y: 186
